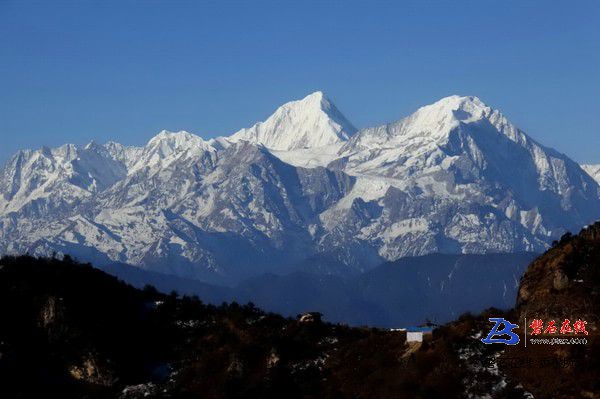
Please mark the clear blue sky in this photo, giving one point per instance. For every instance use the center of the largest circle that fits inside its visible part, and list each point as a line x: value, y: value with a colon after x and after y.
x: 72, y: 71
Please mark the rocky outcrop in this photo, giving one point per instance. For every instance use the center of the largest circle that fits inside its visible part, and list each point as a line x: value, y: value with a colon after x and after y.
x: 92, y: 371
x: 565, y: 281
x: 52, y: 317
x: 51, y: 311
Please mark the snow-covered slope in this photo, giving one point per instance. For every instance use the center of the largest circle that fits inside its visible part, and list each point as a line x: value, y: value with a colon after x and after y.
x: 458, y: 176
x: 48, y: 181
x: 592, y: 170
x: 300, y: 188
x: 311, y: 122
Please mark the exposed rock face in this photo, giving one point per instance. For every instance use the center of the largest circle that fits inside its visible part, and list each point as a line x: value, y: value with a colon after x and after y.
x: 273, y: 358
x: 310, y: 317
x: 51, y: 311
x: 52, y: 318
x: 91, y: 372
x: 565, y: 281
x: 139, y: 391
x: 561, y: 281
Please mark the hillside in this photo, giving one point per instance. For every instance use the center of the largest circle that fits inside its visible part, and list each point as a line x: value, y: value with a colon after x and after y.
x: 565, y: 281
x: 70, y: 330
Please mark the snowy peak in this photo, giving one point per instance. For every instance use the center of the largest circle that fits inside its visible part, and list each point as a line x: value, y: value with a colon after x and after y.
x: 53, y: 179
x: 168, y: 147
x: 176, y: 141
x: 127, y: 155
x: 460, y: 108
x: 67, y: 152
x: 167, y: 144
x: 437, y: 120
x: 443, y: 116
x: 433, y: 124
x: 461, y: 140
x: 311, y: 122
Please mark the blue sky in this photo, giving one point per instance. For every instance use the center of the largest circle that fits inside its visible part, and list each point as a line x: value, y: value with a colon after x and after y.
x: 72, y: 71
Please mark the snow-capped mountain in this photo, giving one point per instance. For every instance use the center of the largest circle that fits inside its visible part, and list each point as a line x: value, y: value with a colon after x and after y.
x: 592, y: 170
x: 303, y: 187
x: 49, y: 181
x: 458, y: 176
x: 311, y: 122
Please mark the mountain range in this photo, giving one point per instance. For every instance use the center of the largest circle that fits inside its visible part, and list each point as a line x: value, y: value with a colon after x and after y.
x: 303, y: 189
x: 407, y: 292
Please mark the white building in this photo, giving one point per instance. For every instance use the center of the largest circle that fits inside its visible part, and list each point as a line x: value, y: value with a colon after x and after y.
x: 414, y: 335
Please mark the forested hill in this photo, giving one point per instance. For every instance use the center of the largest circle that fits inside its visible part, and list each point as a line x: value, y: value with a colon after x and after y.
x: 72, y: 331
